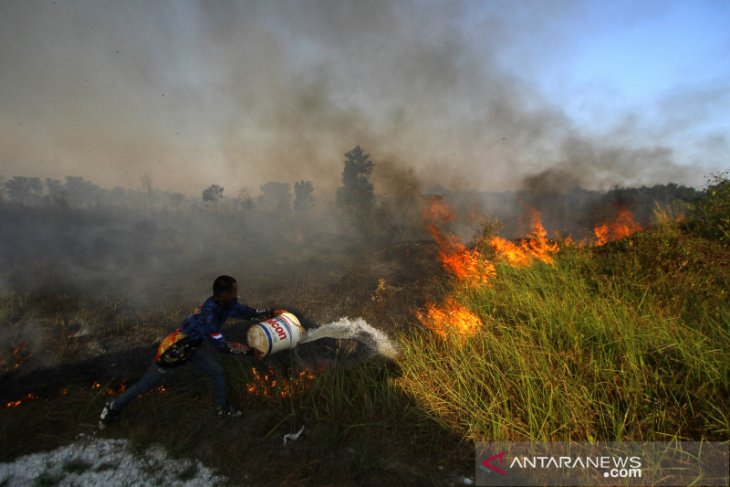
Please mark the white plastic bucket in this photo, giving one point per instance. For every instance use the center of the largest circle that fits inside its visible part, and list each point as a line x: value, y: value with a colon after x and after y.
x: 279, y: 333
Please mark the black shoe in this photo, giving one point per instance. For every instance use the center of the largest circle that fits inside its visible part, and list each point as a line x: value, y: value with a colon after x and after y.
x: 228, y: 411
x: 108, y: 414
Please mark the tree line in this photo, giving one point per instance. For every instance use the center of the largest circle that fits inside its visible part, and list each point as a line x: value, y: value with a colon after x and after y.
x: 356, y: 195
x: 356, y: 192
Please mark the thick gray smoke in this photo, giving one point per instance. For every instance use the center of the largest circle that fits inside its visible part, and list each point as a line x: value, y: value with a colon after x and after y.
x: 194, y: 93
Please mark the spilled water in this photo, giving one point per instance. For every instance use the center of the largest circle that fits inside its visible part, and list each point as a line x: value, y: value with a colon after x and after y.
x: 355, y: 329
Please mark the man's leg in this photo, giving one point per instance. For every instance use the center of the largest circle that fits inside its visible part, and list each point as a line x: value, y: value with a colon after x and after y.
x: 150, y: 379
x: 203, y: 359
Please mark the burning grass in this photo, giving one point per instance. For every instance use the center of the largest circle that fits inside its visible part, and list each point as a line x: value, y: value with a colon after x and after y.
x: 534, y: 247
x: 451, y: 318
x: 620, y: 227
x: 467, y: 265
x: 600, y: 345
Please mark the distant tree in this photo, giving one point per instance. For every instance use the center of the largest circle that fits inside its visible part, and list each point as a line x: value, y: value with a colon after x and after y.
x: 81, y: 192
x: 437, y: 190
x: 213, y: 193
x: 23, y: 190
x: 356, y: 192
x: 56, y: 193
x: 176, y: 199
x: 244, y: 200
x: 275, y: 196
x: 303, y: 195
x: 147, y: 188
x: 118, y: 196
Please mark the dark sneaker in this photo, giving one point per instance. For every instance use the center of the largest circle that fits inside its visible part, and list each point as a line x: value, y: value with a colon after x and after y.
x: 228, y: 411
x: 107, y: 415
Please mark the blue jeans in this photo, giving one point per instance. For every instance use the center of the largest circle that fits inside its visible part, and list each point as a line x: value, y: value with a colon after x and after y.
x: 200, y: 357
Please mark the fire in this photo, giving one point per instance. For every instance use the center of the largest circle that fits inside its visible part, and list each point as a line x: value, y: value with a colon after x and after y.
x: 450, y: 318
x: 272, y: 383
x: 111, y: 390
x: 437, y: 211
x: 14, y: 356
x: 622, y: 226
x: 535, y: 247
x: 28, y: 397
x: 20, y: 354
x: 468, y: 265
x: 473, y: 269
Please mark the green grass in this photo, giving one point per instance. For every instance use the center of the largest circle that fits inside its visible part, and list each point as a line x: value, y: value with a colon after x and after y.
x: 600, y: 346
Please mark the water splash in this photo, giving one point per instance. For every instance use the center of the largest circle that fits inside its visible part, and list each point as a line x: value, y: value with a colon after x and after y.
x: 355, y: 329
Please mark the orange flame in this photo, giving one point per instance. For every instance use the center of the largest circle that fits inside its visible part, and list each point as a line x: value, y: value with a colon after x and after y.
x: 535, y: 247
x: 437, y: 211
x: 14, y: 356
x: 622, y: 226
x: 272, y: 383
x: 468, y: 265
x: 111, y: 390
x: 450, y: 318
x: 473, y: 269
x: 28, y: 397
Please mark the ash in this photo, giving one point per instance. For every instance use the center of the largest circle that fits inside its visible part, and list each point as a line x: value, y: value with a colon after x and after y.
x: 103, y: 462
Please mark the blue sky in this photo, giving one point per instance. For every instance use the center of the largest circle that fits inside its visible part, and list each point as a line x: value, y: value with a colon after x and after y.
x: 641, y: 59
x: 662, y: 64
x: 468, y: 94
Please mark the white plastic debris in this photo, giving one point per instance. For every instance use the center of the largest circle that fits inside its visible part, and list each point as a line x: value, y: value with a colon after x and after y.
x: 293, y: 436
x: 467, y: 481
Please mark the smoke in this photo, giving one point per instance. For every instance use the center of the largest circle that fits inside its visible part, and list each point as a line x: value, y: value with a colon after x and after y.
x: 185, y: 94
x: 194, y: 93
x: 587, y: 164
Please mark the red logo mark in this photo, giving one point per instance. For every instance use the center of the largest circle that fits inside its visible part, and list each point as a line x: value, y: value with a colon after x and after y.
x: 279, y: 330
x: 487, y: 463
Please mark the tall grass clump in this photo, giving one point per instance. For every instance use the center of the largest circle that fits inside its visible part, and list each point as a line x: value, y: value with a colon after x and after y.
x: 594, y: 347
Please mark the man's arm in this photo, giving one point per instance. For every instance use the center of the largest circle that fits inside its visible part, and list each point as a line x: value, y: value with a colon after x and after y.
x: 245, y: 312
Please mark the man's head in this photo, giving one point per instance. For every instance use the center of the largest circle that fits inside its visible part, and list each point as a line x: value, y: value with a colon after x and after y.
x: 225, y: 289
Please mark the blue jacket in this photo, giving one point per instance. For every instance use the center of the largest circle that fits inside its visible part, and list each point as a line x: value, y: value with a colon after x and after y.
x: 205, y: 323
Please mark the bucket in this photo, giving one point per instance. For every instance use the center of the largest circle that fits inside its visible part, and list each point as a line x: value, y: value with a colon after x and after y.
x: 273, y: 335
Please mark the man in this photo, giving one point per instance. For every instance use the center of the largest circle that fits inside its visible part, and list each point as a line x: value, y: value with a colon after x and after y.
x: 185, y: 345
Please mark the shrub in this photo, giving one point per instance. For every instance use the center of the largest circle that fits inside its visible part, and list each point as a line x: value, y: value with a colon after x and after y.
x: 711, y: 214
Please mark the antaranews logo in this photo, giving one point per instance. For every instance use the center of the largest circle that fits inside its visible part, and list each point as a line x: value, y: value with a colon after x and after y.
x: 487, y: 464
x: 538, y: 467
x: 596, y: 464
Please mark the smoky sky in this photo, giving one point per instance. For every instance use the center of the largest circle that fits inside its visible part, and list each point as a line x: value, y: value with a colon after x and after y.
x: 238, y: 93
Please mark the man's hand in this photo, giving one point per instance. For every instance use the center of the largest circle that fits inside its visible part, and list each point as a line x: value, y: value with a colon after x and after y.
x: 238, y: 348
x: 264, y: 313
